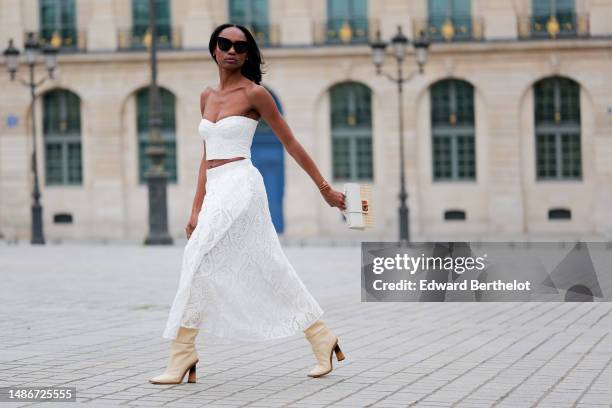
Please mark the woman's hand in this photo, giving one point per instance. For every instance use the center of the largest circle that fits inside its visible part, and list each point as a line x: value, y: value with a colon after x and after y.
x: 193, y: 221
x: 335, y: 198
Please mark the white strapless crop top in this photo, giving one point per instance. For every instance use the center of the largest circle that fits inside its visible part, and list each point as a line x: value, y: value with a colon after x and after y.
x: 231, y: 136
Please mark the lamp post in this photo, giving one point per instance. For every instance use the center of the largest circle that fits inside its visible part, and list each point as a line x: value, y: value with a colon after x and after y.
x: 156, y: 176
x: 11, y: 54
x: 400, y: 44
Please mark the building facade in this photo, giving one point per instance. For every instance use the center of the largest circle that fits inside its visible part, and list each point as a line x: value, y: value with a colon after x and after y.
x: 507, y: 132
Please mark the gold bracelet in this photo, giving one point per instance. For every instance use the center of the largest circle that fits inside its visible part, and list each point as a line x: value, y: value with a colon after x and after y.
x: 324, y: 186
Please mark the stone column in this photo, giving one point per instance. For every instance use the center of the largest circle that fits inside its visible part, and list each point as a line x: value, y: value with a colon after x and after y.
x: 102, y: 28
x: 296, y: 23
x: 11, y: 24
x: 15, y: 161
x: 499, y: 18
x: 104, y: 163
x: 198, y: 24
x: 600, y: 14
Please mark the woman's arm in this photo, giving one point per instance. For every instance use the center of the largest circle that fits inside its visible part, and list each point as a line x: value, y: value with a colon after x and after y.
x: 263, y: 102
x: 201, y: 189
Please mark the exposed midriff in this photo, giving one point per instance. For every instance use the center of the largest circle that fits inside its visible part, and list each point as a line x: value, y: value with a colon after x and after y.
x: 218, y: 162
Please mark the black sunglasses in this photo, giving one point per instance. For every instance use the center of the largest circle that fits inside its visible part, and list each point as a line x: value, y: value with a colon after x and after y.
x: 225, y: 44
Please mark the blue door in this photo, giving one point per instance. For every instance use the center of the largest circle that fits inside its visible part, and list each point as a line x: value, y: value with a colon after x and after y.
x: 267, y: 155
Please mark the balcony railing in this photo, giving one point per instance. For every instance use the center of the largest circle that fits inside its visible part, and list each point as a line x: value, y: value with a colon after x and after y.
x: 456, y: 28
x: 265, y: 34
x: 345, y: 31
x: 559, y: 25
x: 70, y: 39
x: 137, y: 37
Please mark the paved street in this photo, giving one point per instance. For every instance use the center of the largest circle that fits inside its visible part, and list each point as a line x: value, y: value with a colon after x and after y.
x: 92, y: 317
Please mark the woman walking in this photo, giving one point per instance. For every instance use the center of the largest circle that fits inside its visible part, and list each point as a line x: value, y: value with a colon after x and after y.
x: 236, y: 282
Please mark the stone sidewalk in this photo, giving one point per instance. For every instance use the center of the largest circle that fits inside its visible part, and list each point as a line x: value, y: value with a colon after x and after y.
x: 92, y: 317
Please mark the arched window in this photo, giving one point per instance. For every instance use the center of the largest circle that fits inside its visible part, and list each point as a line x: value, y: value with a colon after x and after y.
x: 140, y: 22
x: 557, y: 129
x: 347, y: 21
x: 351, y: 122
x: 252, y: 14
x: 58, y: 16
x: 449, y: 19
x: 62, y: 137
x: 452, y: 130
x: 167, y: 132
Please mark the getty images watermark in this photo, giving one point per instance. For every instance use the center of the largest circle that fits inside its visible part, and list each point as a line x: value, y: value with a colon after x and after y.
x: 493, y: 271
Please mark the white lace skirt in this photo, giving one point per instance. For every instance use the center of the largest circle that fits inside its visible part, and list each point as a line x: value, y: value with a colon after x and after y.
x: 236, y: 283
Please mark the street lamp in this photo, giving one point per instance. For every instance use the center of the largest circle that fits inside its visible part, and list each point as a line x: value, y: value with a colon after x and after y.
x: 421, y: 46
x: 157, y: 177
x: 399, y: 43
x: 11, y: 54
x: 32, y: 50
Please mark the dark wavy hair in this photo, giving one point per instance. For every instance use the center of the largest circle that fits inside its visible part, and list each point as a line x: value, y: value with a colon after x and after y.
x: 252, y: 66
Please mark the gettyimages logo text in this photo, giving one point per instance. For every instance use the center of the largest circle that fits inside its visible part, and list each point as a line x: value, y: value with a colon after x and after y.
x: 413, y: 264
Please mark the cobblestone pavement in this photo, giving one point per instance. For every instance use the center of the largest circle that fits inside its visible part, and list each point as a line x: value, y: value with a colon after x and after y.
x: 92, y: 317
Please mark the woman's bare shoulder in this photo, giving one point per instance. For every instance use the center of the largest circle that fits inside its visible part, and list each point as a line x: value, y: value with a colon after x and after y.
x: 256, y: 92
x: 207, y: 91
x: 204, y: 97
x: 253, y: 87
x: 205, y: 94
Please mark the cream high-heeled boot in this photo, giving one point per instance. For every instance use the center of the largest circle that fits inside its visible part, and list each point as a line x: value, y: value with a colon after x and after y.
x: 324, y: 343
x: 183, y: 358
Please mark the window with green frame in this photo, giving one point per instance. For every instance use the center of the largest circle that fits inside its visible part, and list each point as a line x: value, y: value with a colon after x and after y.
x: 140, y: 22
x: 351, y: 130
x: 452, y: 129
x: 167, y: 132
x: 62, y: 137
x: 557, y: 129
x: 449, y: 18
x: 347, y: 21
x: 549, y: 11
x: 58, y: 16
x: 252, y: 14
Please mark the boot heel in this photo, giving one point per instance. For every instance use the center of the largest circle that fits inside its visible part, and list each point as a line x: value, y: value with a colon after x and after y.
x: 192, y: 374
x: 339, y: 353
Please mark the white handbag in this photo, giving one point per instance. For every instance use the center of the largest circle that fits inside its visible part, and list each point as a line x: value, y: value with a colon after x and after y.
x: 358, y: 213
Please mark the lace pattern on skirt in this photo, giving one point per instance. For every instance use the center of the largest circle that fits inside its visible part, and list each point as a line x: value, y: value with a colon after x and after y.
x: 236, y: 283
